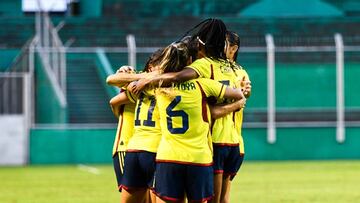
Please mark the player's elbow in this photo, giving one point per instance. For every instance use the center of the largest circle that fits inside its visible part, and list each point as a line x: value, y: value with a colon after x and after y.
x: 111, y: 80
x: 113, y: 102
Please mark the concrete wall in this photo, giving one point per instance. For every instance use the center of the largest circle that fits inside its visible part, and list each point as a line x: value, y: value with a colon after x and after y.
x: 13, y: 140
x: 71, y: 146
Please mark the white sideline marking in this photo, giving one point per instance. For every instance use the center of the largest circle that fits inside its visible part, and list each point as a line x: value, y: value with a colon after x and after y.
x: 89, y: 169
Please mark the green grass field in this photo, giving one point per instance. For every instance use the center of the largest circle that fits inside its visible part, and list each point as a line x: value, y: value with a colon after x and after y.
x: 287, y: 181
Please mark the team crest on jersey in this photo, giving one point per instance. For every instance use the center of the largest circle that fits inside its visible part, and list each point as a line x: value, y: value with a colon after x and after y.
x: 225, y: 69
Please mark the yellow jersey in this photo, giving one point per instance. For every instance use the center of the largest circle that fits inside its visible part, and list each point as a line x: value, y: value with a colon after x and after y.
x: 238, y: 116
x: 223, y: 129
x: 125, y: 128
x: 147, y: 132
x: 184, y: 119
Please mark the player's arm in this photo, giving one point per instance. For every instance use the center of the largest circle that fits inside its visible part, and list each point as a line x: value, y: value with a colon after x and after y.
x: 113, y: 80
x: 234, y: 93
x: 117, y: 101
x: 121, y: 79
x: 246, y: 86
x: 165, y: 79
x: 220, y: 91
x: 218, y: 111
x: 214, y: 88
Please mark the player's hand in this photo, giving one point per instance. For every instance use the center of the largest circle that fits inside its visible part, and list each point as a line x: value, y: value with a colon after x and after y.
x: 131, y: 86
x: 245, y: 86
x: 241, y: 103
x: 139, y: 86
x: 126, y: 69
x: 247, y: 89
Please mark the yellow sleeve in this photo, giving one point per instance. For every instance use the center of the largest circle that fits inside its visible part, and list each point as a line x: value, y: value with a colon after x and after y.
x: 201, y: 67
x: 212, y: 88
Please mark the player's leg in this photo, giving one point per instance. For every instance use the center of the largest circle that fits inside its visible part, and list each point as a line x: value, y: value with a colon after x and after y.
x: 218, y: 179
x: 152, y: 197
x: 218, y: 166
x: 199, y: 183
x: 134, y: 195
x: 225, y: 189
x: 231, y: 166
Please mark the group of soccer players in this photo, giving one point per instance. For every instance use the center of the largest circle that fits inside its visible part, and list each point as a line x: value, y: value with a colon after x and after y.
x: 179, y: 131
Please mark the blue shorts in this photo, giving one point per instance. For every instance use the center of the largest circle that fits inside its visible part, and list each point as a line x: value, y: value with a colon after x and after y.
x: 118, y: 161
x: 227, y: 160
x: 173, y: 181
x: 138, y: 170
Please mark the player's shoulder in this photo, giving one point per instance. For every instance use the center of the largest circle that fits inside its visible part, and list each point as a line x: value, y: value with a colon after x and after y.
x: 206, y: 82
x: 202, y: 80
x: 204, y: 60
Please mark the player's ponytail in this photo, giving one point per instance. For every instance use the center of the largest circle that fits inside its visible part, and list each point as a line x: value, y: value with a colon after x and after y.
x: 175, y: 57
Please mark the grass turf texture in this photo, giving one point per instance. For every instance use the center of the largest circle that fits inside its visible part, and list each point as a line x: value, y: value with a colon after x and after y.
x: 287, y: 181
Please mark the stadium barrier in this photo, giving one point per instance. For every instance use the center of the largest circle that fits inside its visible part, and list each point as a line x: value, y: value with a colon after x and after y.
x: 275, y: 111
x: 271, y: 50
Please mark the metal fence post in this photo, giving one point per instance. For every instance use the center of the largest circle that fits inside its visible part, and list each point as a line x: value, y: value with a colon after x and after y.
x: 130, y: 40
x: 27, y: 111
x: 31, y: 65
x: 340, y: 101
x: 271, y: 128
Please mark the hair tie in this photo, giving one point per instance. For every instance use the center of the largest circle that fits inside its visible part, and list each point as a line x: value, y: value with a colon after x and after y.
x: 201, y: 42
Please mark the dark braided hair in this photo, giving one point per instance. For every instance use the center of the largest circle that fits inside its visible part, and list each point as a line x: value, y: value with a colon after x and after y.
x: 212, y: 36
x: 211, y: 33
x: 233, y: 39
x: 191, y: 46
